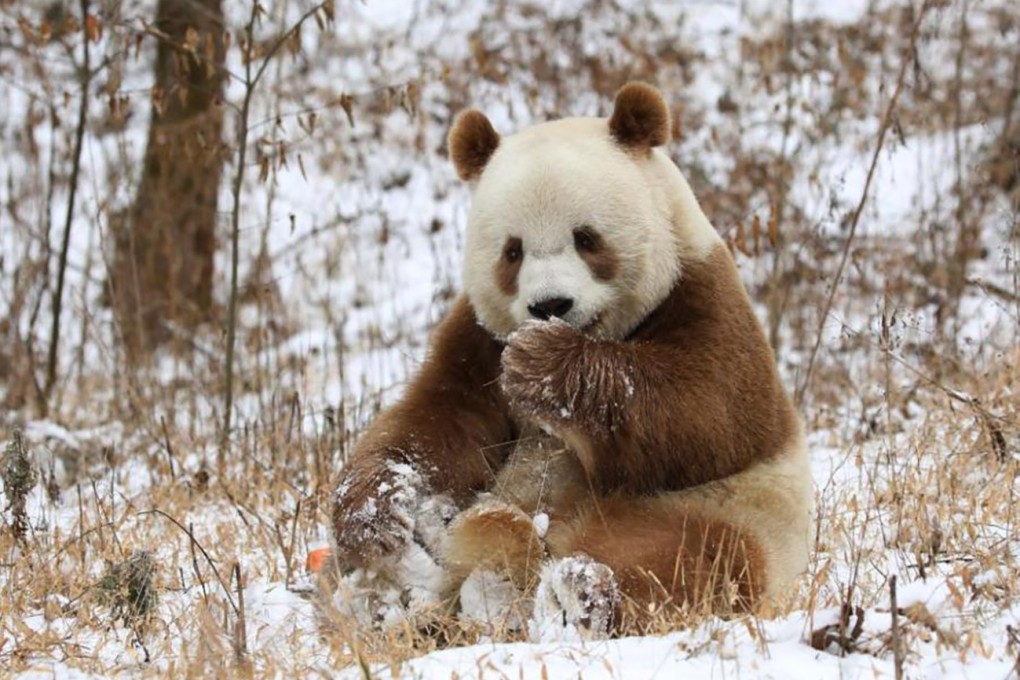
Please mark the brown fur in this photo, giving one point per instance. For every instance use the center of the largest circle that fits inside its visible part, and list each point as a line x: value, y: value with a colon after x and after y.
x: 495, y: 536
x: 600, y: 258
x: 472, y: 142
x: 448, y: 426
x: 691, y: 397
x: 657, y: 550
x: 508, y: 267
x: 640, y: 119
x: 543, y: 475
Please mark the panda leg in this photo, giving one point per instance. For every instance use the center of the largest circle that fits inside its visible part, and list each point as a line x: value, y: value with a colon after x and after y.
x: 495, y: 536
x: 662, y: 550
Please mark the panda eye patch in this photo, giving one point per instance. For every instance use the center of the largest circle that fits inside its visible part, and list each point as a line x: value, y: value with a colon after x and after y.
x: 513, y: 250
x: 587, y: 240
x: 598, y: 254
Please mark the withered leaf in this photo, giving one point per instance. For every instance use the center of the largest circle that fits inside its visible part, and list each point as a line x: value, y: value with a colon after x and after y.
x: 93, y: 28
x: 740, y: 240
x: 773, y: 227
x: 347, y: 104
x: 191, y: 39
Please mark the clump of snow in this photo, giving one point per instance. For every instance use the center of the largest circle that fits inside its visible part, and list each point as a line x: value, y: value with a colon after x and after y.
x: 576, y: 600
x: 541, y: 522
x: 628, y: 385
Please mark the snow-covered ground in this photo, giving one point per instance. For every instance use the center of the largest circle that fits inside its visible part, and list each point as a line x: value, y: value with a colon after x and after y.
x: 364, y: 235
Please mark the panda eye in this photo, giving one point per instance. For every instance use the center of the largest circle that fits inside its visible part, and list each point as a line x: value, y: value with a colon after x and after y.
x: 586, y: 240
x: 513, y: 251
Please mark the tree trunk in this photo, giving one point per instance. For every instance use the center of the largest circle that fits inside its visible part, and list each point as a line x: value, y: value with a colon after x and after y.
x: 163, y: 261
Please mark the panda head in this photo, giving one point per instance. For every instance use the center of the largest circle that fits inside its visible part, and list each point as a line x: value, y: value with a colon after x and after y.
x: 582, y: 219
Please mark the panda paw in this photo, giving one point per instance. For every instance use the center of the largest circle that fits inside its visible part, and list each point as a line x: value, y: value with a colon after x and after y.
x: 373, y: 514
x: 540, y: 369
x: 405, y: 580
x: 379, y: 513
x: 576, y: 597
x: 407, y: 589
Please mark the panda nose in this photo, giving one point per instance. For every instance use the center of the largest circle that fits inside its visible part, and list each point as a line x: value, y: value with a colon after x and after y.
x: 551, y: 307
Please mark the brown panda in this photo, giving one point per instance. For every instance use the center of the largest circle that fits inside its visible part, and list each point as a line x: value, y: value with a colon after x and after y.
x: 604, y: 370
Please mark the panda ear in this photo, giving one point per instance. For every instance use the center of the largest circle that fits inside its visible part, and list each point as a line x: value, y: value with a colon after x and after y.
x: 640, y: 119
x: 472, y: 142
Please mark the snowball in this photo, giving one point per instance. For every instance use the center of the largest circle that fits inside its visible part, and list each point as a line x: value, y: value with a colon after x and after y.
x: 541, y: 522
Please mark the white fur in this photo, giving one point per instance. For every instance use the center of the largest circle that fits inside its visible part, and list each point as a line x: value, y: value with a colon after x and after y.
x: 548, y: 180
x: 491, y: 599
x: 561, y: 274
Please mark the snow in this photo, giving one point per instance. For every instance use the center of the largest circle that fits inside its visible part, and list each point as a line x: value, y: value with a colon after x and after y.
x: 541, y: 522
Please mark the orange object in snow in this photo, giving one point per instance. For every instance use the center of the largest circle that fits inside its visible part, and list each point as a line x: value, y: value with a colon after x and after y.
x: 316, y: 559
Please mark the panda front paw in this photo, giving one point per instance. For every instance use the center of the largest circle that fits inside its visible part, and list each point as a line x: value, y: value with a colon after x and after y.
x: 387, y: 528
x: 406, y: 589
x: 373, y: 514
x: 540, y: 374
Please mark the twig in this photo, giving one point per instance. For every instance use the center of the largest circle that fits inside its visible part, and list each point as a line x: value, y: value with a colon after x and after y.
x: 1014, y: 642
x: 776, y: 306
x: 957, y: 264
x: 169, y: 448
x: 51, y: 361
x: 887, y: 118
x: 987, y: 418
x: 235, y: 231
x: 250, y: 83
x: 287, y: 548
x: 993, y: 289
x: 194, y: 567
x: 896, y: 641
x: 196, y: 544
x: 240, y: 631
